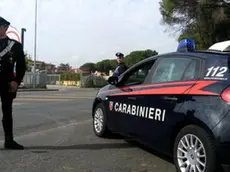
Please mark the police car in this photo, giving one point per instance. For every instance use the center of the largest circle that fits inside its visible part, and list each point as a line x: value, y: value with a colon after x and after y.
x: 176, y: 103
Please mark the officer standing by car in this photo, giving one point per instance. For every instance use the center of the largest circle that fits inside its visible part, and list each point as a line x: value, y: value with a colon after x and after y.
x: 121, y: 68
x: 11, y: 53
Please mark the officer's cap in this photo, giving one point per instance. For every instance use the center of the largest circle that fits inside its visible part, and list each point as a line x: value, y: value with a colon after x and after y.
x: 4, y: 22
x: 119, y: 55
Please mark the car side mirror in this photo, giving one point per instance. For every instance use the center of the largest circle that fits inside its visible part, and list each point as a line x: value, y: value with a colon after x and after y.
x: 113, y: 80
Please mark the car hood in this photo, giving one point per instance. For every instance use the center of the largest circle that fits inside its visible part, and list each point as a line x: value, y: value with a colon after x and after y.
x: 105, y: 88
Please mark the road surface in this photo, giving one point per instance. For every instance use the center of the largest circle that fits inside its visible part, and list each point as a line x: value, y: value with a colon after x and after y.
x: 56, y: 129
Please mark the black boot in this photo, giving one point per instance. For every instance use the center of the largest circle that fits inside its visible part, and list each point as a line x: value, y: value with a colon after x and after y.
x: 9, y: 141
x: 11, y: 144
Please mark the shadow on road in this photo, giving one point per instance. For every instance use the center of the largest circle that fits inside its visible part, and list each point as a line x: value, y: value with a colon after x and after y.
x: 137, y: 144
x: 83, y: 146
x: 115, y: 136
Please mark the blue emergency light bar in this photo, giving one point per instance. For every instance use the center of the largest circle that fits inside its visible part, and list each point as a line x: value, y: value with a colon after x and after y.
x: 186, y: 45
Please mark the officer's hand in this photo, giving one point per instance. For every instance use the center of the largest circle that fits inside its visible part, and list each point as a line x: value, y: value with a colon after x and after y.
x: 13, y: 86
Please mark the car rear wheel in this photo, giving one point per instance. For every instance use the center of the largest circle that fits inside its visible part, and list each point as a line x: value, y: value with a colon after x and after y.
x: 194, y: 151
x: 100, y: 122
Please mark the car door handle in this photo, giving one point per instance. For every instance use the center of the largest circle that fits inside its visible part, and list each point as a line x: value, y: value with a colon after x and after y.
x: 132, y: 98
x: 170, y: 98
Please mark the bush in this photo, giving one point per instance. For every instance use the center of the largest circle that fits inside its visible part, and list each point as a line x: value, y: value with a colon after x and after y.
x: 93, y: 82
x: 70, y: 76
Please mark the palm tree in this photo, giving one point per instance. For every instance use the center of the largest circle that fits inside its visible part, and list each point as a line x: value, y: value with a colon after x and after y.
x: 64, y: 67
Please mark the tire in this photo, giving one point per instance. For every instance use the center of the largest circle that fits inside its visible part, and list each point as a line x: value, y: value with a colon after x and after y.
x: 203, y: 139
x: 99, y: 117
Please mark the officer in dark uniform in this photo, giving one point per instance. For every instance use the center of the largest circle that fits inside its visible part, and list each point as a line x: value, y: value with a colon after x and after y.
x: 121, y: 68
x: 11, y: 53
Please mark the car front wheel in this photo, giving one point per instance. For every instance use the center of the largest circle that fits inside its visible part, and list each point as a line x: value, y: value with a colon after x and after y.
x: 100, y: 122
x: 194, y: 151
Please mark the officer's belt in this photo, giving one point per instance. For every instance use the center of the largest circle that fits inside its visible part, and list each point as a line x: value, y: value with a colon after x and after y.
x: 7, y: 49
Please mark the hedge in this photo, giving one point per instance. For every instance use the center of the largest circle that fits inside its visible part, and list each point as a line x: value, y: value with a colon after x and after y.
x: 70, y: 76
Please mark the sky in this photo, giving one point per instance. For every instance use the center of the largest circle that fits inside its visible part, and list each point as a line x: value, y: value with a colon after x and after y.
x: 80, y: 31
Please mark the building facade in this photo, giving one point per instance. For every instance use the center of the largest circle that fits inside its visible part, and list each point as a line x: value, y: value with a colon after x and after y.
x: 42, y: 66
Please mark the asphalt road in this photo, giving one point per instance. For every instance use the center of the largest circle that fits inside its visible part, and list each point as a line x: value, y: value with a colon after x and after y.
x: 56, y: 129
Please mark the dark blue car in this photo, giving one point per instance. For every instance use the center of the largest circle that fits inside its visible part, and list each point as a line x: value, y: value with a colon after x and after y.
x: 176, y: 103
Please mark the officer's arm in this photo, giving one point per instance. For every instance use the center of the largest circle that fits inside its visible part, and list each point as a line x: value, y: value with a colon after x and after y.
x: 20, y: 63
x: 122, y: 69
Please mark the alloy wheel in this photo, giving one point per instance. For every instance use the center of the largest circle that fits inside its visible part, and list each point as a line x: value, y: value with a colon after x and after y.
x: 191, y: 154
x: 98, y: 120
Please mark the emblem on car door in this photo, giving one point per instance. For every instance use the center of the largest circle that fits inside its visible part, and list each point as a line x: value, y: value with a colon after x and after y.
x: 110, y: 105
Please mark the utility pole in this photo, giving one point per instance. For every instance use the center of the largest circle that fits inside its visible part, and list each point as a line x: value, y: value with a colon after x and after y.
x: 35, y: 44
x: 23, y: 30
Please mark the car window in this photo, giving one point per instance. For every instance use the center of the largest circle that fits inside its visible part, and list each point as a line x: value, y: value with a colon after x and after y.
x: 174, y: 69
x: 138, y: 75
x: 190, y: 72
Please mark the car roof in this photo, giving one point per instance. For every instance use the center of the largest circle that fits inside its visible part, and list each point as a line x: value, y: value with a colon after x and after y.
x: 201, y: 54
x: 204, y: 54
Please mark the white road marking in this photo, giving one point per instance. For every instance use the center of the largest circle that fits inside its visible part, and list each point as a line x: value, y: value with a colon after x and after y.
x: 16, y: 103
x: 43, y: 132
x: 85, y: 110
x: 34, y: 99
x: 54, y: 97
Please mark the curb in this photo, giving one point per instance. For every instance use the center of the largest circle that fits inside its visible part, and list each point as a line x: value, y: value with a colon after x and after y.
x: 69, y: 87
x: 33, y: 90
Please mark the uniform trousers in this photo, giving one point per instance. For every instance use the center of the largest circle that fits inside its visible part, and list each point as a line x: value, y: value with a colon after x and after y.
x: 7, y: 118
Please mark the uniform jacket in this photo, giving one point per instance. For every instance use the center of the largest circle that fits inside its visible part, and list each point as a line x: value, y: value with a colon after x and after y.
x: 13, y: 58
x: 121, y: 68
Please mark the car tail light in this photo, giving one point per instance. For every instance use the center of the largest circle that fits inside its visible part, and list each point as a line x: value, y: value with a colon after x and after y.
x: 225, y: 95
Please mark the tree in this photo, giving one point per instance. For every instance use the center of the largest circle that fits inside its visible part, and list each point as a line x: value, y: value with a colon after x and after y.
x: 28, y: 61
x: 105, y: 66
x: 192, y: 34
x: 91, y: 67
x: 136, y: 56
x: 205, y: 21
x: 131, y: 59
x: 64, y: 67
x: 113, y: 64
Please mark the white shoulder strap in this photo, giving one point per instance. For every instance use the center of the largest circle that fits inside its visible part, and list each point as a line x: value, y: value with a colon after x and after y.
x: 7, y: 49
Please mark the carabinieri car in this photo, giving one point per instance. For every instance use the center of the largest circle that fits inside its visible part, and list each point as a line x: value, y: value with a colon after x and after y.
x: 176, y: 103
